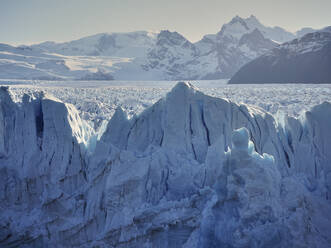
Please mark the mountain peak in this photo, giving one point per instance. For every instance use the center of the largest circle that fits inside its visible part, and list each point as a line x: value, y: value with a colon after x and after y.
x: 239, y: 26
x: 236, y: 19
x: 170, y: 38
x: 252, y: 17
x: 235, y: 28
x: 253, y: 20
x: 168, y: 33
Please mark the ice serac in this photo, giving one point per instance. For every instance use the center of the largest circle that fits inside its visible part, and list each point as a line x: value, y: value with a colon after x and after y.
x: 175, y: 158
x: 309, y: 140
x: 42, y: 164
x: 190, y: 171
x: 247, y: 193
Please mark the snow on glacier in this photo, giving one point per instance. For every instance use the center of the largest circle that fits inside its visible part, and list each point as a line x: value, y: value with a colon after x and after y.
x: 190, y: 170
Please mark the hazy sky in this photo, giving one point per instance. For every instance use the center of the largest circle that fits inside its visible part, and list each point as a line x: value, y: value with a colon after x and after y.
x: 31, y: 21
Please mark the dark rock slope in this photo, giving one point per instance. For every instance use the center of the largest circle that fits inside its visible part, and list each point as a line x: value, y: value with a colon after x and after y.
x: 304, y: 60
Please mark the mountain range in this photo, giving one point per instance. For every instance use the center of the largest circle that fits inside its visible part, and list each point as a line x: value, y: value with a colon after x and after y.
x: 143, y: 55
x: 303, y: 60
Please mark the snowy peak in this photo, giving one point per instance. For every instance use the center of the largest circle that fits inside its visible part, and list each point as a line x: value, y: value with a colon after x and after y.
x: 106, y: 44
x: 235, y: 28
x: 248, y: 22
x: 238, y: 26
x: 170, y: 55
x: 165, y: 37
x: 253, y: 19
x: 173, y: 41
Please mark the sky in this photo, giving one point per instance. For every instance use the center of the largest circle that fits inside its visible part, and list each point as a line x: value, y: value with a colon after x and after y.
x: 34, y: 21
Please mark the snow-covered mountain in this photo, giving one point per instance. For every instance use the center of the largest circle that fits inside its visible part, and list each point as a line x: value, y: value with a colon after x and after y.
x: 28, y: 63
x: 239, y: 26
x: 133, y: 44
x: 190, y: 171
x: 230, y: 50
x: 23, y: 62
x: 302, y: 60
x: 145, y: 55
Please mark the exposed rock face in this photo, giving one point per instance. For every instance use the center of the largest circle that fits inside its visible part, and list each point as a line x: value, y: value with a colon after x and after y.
x: 304, y: 60
x: 177, y: 175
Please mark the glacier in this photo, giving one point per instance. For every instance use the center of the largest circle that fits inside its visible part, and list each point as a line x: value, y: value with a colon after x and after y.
x: 191, y: 170
x: 97, y: 101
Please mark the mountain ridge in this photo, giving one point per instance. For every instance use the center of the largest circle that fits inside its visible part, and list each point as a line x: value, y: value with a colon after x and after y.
x: 302, y: 60
x: 143, y: 55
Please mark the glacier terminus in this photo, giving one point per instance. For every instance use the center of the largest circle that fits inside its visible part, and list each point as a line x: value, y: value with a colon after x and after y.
x: 191, y: 170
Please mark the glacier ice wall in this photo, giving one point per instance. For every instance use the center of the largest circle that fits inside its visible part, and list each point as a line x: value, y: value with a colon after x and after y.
x: 190, y: 171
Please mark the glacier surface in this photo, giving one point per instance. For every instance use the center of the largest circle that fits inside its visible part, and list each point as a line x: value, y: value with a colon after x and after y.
x: 97, y: 101
x: 191, y: 170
